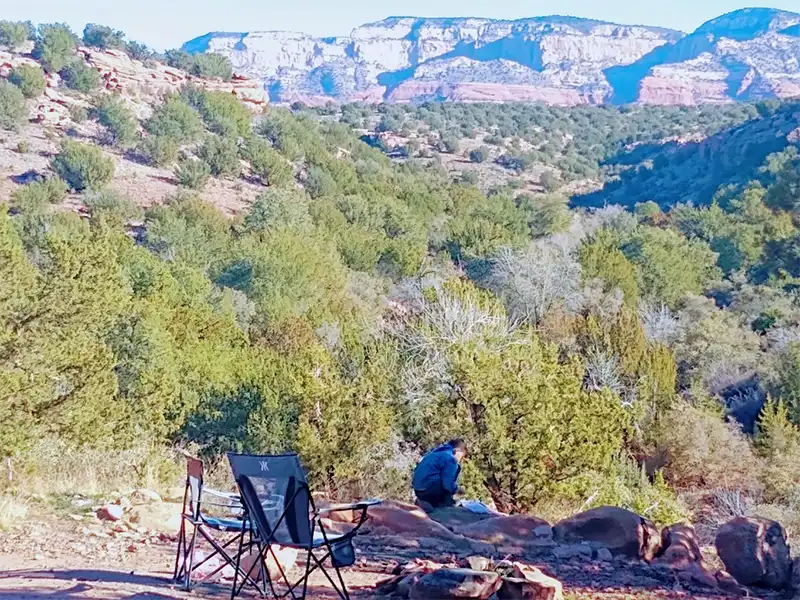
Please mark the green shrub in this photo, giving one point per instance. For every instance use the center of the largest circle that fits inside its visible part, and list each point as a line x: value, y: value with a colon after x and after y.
x: 212, y: 65
x: 480, y: 155
x: 55, y: 46
x: 12, y: 106
x: 268, y: 163
x: 111, y: 208
x: 449, y: 145
x: 119, y: 120
x: 705, y: 451
x: 23, y: 147
x: 139, y: 51
x: 628, y: 486
x: 176, y: 120
x: 83, y: 166
x: 101, y: 36
x: 778, y: 441
x: 221, y: 155
x: 549, y: 181
x: 319, y: 182
x: 193, y: 174
x: 178, y: 59
x: 80, y: 77
x: 159, y: 150
x: 78, y: 113
x: 221, y: 111
x: 12, y: 34
x: 29, y: 79
x: 37, y: 194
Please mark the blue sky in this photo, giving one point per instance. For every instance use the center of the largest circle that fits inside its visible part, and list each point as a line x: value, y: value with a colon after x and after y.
x: 169, y: 23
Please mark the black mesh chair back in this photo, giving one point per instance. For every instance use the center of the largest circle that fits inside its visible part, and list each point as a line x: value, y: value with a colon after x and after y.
x: 278, y: 485
x: 277, y: 502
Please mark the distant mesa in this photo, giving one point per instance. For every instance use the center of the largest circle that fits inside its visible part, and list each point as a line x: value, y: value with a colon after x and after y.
x: 744, y: 55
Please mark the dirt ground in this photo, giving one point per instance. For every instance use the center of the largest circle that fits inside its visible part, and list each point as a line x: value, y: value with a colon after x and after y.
x: 64, y: 557
x: 55, y: 558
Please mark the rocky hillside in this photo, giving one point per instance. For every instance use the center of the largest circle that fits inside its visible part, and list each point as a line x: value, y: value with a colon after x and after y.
x: 748, y: 54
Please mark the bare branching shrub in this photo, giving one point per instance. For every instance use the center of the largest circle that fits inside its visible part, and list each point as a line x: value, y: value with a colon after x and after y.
x: 432, y: 327
x: 537, y: 279
x: 660, y: 325
x: 732, y: 503
x: 603, y: 371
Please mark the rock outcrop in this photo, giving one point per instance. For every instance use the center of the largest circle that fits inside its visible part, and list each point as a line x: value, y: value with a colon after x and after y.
x: 748, y: 54
x: 755, y: 552
x: 121, y: 73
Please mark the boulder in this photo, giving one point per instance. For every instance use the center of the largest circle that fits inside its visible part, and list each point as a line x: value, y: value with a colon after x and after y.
x: 455, y: 583
x: 516, y: 530
x: 162, y: 517
x: 621, y: 531
x: 529, y: 583
x: 144, y: 496
x: 455, y: 517
x: 680, y: 548
x: 110, y: 512
x: 397, y: 520
x: 755, y: 552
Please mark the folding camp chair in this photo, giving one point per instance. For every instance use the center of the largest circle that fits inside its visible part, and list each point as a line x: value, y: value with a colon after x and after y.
x: 202, y: 523
x: 280, y: 509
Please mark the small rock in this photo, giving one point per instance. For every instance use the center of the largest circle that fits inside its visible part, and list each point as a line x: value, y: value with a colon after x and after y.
x: 479, y: 563
x: 144, y: 496
x: 530, y: 583
x: 131, y: 548
x: 604, y: 555
x: 110, y: 512
x: 572, y: 551
x: 455, y: 583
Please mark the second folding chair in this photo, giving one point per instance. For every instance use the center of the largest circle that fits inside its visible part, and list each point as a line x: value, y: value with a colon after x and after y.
x: 195, y: 521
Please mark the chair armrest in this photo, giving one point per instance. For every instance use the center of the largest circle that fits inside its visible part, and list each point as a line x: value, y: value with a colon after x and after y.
x: 354, y: 506
x: 219, y: 494
x: 362, y: 506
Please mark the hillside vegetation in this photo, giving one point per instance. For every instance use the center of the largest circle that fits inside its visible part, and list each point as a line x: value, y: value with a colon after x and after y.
x: 362, y: 309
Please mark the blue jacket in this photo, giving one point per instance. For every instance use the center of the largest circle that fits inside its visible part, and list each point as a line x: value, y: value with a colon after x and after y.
x: 437, y: 471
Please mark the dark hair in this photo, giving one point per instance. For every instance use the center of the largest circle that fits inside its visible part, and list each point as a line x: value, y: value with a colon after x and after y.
x: 458, y: 444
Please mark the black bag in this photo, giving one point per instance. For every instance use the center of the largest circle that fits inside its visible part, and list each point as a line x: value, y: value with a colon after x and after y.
x: 343, y: 554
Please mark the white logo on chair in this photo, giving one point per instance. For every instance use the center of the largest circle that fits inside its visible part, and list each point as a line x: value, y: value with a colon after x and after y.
x: 264, y: 465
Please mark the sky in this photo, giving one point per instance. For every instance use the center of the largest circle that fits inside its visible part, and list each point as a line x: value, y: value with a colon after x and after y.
x: 168, y: 23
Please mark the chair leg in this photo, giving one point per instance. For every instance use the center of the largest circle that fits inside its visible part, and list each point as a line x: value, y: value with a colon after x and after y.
x: 190, y: 559
x: 176, y: 572
x: 306, y: 575
x: 238, y: 562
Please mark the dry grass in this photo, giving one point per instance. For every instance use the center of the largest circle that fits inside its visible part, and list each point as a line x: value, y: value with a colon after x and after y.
x: 53, y: 467
x: 12, y: 510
